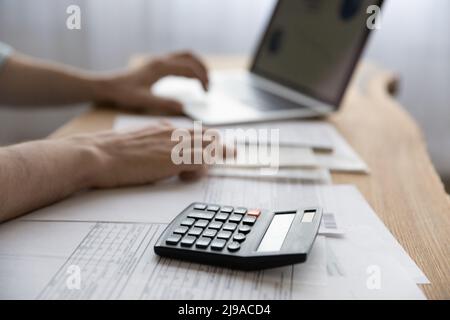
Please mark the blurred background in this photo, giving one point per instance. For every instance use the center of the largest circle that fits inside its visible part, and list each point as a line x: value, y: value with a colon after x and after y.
x: 414, y: 42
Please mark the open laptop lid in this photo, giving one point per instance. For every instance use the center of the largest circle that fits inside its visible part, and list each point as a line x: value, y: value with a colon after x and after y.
x: 313, y: 46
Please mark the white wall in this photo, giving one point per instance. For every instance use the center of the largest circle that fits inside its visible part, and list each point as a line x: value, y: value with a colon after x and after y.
x: 415, y: 42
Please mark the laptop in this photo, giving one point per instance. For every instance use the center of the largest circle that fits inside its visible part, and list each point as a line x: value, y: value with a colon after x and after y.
x: 301, y: 68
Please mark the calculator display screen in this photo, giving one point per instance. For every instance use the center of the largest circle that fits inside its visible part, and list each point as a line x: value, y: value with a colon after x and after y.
x: 276, y: 233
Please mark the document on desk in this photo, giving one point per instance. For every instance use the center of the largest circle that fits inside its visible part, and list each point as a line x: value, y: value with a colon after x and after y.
x: 103, y: 260
x: 285, y: 157
x: 116, y: 261
x: 303, y: 175
x: 331, y: 150
x: 308, y: 138
x: 154, y: 204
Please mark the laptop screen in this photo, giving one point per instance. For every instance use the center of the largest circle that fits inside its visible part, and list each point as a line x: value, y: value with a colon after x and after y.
x: 312, y: 46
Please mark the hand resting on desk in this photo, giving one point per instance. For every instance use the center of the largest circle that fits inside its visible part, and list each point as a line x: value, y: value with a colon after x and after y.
x: 35, y: 174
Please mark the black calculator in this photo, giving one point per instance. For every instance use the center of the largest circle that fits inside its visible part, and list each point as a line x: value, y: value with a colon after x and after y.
x: 240, y: 238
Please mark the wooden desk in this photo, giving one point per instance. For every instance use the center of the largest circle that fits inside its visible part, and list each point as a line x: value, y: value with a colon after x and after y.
x: 403, y: 187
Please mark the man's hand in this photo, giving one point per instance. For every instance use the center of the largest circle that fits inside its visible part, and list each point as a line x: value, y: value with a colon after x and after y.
x: 50, y: 170
x: 26, y: 81
x: 138, y: 157
x: 131, y: 89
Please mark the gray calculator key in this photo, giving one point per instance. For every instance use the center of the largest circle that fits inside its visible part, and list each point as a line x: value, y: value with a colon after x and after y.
x: 215, y: 225
x: 188, y: 241
x: 201, y: 215
x: 229, y: 226
x: 213, y: 208
x: 201, y: 223
x: 173, y: 239
x: 200, y: 206
x: 239, y: 237
x: 250, y: 220
x: 210, y: 233
x: 195, y: 232
x: 234, y: 246
x: 224, y: 235
x: 203, y: 243
x: 218, y: 244
x: 240, y: 210
x: 188, y: 222
x: 227, y: 209
x: 181, y: 230
x: 235, y: 218
x: 221, y: 216
x: 245, y: 229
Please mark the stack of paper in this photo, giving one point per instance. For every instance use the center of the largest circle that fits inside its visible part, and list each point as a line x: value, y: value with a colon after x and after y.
x: 306, y: 150
x: 106, y: 238
x: 313, y: 175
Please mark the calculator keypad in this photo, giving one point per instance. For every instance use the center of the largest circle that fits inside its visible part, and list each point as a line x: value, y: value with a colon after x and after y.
x: 229, y: 226
x: 227, y: 209
x: 250, y: 220
x: 222, y: 216
x: 188, y: 241
x: 213, y: 208
x: 181, y: 230
x: 235, y: 218
x: 188, y: 222
x: 201, y: 223
x: 210, y: 233
x: 195, y: 231
x: 224, y: 235
x: 201, y: 215
x: 203, y: 243
x: 234, y: 246
x: 245, y: 228
x: 200, y: 206
x: 239, y: 237
x: 218, y: 244
x: 214, y: 227
x: 240, y: 210
x: 173, y: 239
x: 254, y: 212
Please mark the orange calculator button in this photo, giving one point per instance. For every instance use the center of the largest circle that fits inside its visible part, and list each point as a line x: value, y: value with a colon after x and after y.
x: 254, y: 212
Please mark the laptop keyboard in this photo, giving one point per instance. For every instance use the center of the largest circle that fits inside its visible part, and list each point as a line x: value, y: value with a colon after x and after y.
x: 257, y: 98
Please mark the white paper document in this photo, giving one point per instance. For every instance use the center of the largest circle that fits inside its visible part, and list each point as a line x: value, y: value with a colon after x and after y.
x: 285, y: 157
x: 308, y: 139
x: 329, y: 226
x: 103, y: 260
x: 331, y: 150
x: 365, y: 237
x: 357, y: 273
x: 155, y: 204
x: 303, y: 175
x: 116, y: 261
x: 31, y: 253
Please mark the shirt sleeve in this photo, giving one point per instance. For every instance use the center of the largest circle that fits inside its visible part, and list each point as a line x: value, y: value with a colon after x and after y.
x: 5, y: 51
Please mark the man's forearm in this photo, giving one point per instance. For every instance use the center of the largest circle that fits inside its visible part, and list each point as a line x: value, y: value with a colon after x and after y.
x: 39, y: 173
x: 28, y: 81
